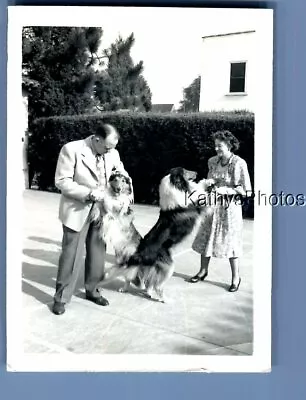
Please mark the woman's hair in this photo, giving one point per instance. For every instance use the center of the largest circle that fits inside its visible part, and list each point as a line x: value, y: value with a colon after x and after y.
x: 105, y: 129
x: 228, y: 138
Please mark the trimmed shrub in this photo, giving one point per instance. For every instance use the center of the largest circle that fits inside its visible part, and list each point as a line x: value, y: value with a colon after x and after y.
x: 150, y: 144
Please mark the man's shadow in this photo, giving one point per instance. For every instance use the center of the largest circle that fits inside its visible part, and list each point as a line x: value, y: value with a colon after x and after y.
x: 46, y: 275
x: 44, y: 240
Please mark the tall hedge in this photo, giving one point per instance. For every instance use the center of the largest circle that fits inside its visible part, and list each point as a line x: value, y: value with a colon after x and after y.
x: 150, y: 143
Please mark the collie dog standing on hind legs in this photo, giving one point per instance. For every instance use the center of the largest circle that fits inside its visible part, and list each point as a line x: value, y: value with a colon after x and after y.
x: 115, y: 218
x: 147, y: 261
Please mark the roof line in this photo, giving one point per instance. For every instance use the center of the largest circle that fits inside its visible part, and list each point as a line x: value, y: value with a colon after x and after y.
x: 227, y: 34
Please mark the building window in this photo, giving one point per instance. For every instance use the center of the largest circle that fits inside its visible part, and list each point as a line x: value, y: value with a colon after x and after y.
x: 237, y: 80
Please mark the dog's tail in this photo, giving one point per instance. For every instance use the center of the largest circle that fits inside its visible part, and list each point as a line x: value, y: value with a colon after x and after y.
x: 114, y: 272
x: 117, y: 271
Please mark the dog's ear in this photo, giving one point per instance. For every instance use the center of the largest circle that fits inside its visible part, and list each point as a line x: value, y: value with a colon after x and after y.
x: 178, y: 180
x: 128, y: 181
x: 176, y: 171
x: 112, y: 177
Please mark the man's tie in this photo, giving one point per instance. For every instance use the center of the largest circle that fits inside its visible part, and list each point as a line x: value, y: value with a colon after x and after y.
x: 100, y: 164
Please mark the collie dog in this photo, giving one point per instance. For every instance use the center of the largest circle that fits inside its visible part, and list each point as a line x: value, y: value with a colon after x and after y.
x: 115, y: 218
x: 150, y: 266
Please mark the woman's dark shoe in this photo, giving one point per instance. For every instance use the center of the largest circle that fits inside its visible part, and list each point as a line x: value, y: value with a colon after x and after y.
x: 58, y: 308
x: 233, y: 287
x: 198, y: 278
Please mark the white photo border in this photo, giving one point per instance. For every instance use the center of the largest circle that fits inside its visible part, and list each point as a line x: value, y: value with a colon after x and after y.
x: 260, y: 361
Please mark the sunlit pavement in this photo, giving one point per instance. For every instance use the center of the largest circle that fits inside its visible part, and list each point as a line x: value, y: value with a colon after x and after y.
x: 199, y: 319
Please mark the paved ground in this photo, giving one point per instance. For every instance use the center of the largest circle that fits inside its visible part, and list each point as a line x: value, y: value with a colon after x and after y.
x: 201, y: 319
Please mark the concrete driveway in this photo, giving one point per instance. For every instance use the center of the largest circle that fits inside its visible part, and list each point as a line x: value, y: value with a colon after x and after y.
x: 200, y: 319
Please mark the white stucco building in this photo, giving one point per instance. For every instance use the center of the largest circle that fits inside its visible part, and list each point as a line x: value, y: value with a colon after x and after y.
x: 228, y: 75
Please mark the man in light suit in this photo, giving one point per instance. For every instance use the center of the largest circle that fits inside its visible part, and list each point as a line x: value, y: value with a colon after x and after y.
x: 83, y: 169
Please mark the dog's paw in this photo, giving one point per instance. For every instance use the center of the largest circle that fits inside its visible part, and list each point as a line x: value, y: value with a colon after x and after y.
x: 124, y: 288
x: 164, y: 299
x: 148, y: 294
x: 142, y: 286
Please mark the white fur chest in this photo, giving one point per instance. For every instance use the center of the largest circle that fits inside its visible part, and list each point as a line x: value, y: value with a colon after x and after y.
x: 116, y: 204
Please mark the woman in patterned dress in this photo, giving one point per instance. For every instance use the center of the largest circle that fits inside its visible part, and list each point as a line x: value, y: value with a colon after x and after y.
x: 220, y: 234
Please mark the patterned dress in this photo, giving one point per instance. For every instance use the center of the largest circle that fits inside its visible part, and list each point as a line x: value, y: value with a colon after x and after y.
x: 220, y: 233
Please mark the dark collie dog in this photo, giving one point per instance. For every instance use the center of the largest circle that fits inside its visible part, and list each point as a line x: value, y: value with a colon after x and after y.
x: 151, y: 265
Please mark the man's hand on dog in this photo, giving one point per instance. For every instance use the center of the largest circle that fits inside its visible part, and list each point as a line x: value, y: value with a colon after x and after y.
x: 96, y: 195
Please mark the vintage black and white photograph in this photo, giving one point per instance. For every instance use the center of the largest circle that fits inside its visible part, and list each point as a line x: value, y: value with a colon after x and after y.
x: 138, y: 142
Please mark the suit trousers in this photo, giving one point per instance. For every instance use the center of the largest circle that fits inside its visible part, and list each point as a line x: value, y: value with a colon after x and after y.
x: 71, y: 262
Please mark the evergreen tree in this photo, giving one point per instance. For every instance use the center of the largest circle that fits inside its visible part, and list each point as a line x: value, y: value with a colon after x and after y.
x: 121, y: 84
x: 191, y: 101
x: 60, y: 60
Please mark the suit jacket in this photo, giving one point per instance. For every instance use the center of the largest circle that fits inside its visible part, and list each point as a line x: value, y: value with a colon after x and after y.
x: 76, y: 175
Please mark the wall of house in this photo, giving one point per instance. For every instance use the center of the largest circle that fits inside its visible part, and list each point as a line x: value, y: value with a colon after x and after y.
x: 217, y: 54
